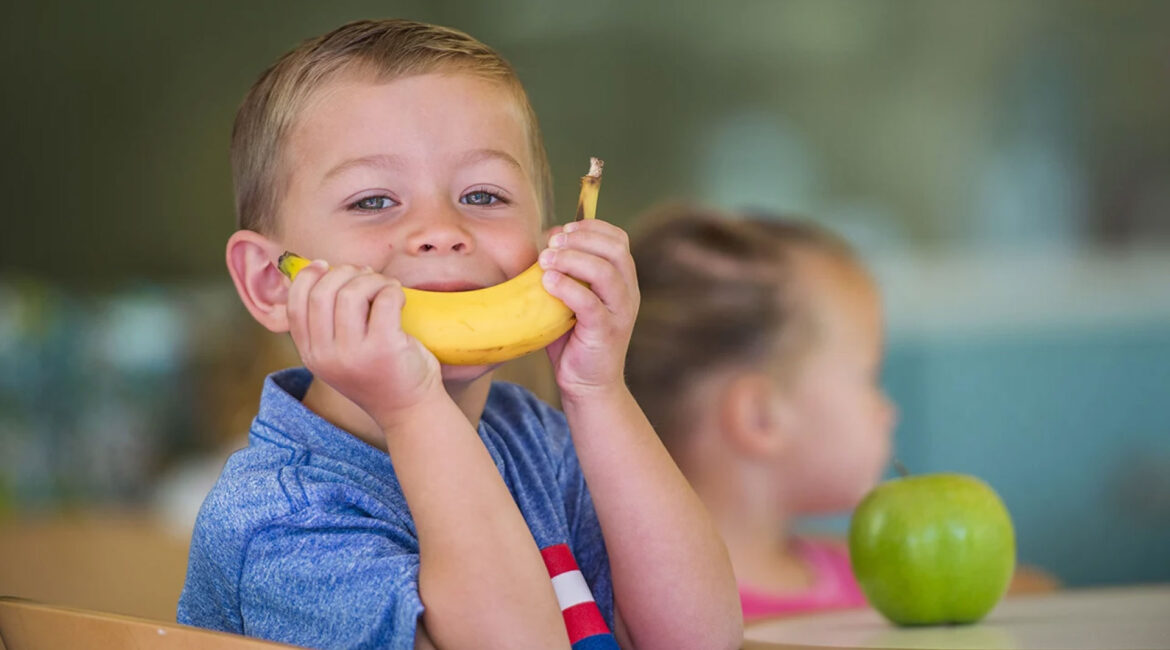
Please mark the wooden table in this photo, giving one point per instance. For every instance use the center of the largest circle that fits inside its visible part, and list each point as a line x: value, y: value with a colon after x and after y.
x: 1135, y: 617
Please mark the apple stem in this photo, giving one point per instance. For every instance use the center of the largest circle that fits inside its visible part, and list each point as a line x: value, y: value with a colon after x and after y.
x: 900, y: 468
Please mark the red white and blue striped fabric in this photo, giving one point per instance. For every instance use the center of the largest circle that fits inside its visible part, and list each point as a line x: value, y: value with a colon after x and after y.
x: 587, y: 629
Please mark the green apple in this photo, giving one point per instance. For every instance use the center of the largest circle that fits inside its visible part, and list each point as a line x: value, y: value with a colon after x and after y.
x: 932, y: 549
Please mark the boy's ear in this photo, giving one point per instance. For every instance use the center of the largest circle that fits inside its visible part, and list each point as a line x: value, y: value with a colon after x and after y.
x: 251, y: 261
x: 754, y: 416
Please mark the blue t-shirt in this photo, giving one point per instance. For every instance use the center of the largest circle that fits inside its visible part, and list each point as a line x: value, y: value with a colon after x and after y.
x: 307, y: 539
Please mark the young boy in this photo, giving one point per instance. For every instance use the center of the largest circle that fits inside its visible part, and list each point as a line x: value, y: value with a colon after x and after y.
x: 385, y: 500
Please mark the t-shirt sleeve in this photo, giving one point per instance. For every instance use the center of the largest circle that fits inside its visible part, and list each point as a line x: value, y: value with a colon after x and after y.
x: 587, y: 543
x: 330, y: 581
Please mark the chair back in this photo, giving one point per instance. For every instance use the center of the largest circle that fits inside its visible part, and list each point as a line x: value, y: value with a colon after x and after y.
x: 107, y: 561
x: 29, y: 625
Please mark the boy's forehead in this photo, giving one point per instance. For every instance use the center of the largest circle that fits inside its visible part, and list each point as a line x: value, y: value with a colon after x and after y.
x: 358, y: 112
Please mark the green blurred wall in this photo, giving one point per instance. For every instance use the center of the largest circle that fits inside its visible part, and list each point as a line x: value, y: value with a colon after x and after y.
x: 115, y: 116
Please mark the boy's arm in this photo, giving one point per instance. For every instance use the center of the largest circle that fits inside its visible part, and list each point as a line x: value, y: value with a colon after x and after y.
x: 672, y: 578
x: 482, y: 580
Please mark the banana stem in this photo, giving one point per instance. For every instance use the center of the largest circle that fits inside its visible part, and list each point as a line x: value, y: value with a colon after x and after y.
x: 290, y: 264
x: 590, y: 186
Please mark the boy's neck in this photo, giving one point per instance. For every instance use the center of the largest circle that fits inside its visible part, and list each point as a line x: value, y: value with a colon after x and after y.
x: 333, y: 407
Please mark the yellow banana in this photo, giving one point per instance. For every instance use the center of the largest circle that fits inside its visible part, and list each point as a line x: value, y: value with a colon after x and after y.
x: 492, y: 324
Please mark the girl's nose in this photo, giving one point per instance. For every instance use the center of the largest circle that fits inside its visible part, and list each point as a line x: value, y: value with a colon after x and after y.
x: 889, y: 413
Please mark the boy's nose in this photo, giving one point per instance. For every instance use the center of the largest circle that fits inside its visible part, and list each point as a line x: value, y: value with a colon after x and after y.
x: 440, y: 244
x: 440, y: 234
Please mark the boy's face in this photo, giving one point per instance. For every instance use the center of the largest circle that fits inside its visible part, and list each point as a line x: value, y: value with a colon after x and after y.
x: 427, y: 179
x: 844, y: 418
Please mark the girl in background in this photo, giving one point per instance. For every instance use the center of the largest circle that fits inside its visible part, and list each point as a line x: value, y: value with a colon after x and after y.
x: 757, y: 354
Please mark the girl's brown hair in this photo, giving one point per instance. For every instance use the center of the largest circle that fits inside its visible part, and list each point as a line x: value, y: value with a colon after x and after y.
x: 384, y: 49
x: 718, y: 291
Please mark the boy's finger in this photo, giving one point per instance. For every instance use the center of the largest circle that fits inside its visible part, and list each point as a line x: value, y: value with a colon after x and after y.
x: 353, y: 307
x: 603, y: 278
x: 611, y: 244
x: 584, y: 302
x: 598, y: 227
x: 323, y: 304
x: 297, y: 304
x: 386, y: 310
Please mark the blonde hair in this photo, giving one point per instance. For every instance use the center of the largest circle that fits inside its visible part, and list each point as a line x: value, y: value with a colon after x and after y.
x: 386, y: 49
x: 718, y: 291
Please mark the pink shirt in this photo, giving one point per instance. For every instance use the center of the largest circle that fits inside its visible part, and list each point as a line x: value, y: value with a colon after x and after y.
x: 834, y: 586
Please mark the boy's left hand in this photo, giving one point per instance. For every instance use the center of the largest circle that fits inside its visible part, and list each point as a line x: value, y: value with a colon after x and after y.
x: 592, y: 355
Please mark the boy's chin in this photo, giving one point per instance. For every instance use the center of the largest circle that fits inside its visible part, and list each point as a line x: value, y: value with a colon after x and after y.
x: 465, y: 374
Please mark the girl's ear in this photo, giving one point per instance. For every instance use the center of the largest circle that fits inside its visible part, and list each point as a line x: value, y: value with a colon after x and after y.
x: 251, y: 261
x: 754, y: 415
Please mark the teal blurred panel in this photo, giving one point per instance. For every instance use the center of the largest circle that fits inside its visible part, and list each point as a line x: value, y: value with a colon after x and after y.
x: 1070, y: 427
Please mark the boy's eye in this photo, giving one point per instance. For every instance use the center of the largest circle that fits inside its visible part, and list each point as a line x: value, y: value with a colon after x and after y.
x: 480, y: 197
x: 373, y: 203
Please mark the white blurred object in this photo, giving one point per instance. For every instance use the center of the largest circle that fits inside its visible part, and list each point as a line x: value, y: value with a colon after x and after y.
x: 958, y: 293
x: 179, y: 494
x: 141, y: 332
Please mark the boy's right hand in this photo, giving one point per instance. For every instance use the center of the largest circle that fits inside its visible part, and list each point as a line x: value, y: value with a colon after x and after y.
x: 346, y: 323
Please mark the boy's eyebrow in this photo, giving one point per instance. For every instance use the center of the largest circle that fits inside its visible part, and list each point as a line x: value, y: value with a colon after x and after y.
x: 373, y: 160
x: 478, y: 155
x: 392, y: 160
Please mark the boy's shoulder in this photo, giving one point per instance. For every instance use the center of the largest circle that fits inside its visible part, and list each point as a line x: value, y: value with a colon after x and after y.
x: 250, y: 481
x: 265, y: 481
x: 248, y: 495
x: 276, y: 475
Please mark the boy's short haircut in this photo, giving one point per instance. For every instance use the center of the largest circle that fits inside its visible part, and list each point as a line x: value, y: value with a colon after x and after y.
x: 383, y: 49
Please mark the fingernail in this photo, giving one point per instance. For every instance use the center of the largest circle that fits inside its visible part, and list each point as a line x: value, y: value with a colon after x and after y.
x: 550, y: 278
x: 557, y: 240
x: 570, y: 227
x: 546, y: 257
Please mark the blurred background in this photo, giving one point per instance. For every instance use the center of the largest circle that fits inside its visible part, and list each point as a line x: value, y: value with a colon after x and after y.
x: 1004, y: 166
